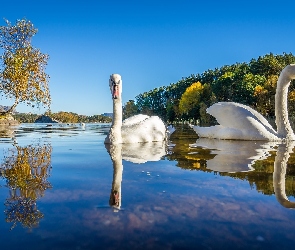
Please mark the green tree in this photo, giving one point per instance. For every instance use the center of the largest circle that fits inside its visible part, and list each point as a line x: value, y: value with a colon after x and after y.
x: 129, y: 109
x: 223, y: 86
x: 246, y: 87
x: 266, y: 65
x: 22, y: 68
x: 25, y: 118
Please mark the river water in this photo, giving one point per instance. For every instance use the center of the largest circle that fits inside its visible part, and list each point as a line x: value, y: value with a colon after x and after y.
x: 61, y: 188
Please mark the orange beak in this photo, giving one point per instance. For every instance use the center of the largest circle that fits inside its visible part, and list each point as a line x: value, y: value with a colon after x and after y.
x: 115, y: 91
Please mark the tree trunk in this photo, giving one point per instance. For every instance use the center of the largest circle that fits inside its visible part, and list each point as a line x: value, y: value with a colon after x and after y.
x: 11, y: 109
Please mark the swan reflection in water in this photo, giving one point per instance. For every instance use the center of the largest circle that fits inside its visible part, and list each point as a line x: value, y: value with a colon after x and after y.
x: 228, y: 156
x: 135, y: 153
x: 234, y: 156
x: 239, y: 156
x: 279, y: 174
x: 25, y: 170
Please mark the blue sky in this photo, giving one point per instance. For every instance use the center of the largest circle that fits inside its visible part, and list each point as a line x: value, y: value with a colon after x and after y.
x: 150, y: 43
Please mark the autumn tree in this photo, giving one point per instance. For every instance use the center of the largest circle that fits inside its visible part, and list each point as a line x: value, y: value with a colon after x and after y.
x: 190, y: 100
x: 190, y: 97
x: 22, y: 68
x: 173, y: 95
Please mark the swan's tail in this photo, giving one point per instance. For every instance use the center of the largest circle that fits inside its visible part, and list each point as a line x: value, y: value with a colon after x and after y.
x: 208, y: 132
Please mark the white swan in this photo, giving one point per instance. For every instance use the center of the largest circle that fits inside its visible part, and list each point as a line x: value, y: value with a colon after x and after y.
x: 240, y: 122
x: 138, y: 128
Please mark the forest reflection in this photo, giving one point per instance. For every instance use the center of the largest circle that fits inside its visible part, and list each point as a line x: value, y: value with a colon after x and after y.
x: 269, y: 167
x: 25, y: 170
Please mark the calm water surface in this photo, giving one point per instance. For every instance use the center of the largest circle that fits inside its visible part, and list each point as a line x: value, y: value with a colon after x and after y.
x: 61, y: 188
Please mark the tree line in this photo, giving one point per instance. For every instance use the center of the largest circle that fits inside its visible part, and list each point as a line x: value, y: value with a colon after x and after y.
x: 252, y: 84
x: 64, y: 117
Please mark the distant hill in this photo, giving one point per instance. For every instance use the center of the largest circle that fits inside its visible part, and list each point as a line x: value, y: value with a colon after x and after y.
x: 5, y: 108
x: 63, y: 117
x: 108, y: 114
x: 45, y: 119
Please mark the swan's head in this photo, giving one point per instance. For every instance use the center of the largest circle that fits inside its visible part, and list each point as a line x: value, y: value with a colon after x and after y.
x: 289, y: 71
x: 115, y: 85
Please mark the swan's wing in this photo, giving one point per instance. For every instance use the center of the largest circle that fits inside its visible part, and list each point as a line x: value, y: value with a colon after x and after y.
x: 137, y: 129
x: 237, y: 122
x: 239, y: 116
x: 134, y: 119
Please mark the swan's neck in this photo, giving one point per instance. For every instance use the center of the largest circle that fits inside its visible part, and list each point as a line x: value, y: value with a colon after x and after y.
x: 281, y: 108
x: 117, y: 113
x: 115, y: 135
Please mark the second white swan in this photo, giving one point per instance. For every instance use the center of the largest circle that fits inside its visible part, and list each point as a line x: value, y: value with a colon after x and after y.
x: 240, y: 122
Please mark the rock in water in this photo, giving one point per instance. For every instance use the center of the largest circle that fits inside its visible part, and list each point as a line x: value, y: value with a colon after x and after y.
x: 45, y: 119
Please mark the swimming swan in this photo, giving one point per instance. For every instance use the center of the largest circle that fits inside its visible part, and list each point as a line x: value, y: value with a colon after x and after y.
x: 240, y: 122
x: 138, y: 128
